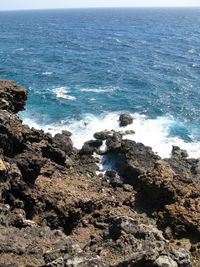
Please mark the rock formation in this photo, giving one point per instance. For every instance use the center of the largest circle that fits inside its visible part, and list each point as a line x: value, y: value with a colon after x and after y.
x: 125, y: 119
x: 56, y: 211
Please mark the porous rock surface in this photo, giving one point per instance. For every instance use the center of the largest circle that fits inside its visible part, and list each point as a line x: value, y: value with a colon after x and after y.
x: 56, y: 211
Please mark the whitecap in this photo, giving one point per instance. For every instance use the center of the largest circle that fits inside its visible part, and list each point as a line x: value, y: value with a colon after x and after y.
x: 192, y: 51
x: 100, y: 89
x: 47, y: 73
x: 195, y: 65
x: 117, y: 40
x: 62, y: 92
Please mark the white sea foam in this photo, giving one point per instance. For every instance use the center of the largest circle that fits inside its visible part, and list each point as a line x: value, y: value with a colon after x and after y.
x: 47, y: 73
x: 100, y: 89
x: 62, y: 92
x: 151, y: 132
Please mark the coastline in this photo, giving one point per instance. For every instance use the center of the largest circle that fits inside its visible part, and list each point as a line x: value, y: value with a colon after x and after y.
x: 142, y: 212
x: 159, y: 131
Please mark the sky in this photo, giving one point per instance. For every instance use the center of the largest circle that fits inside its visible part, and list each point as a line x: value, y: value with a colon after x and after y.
x: 46, y: 4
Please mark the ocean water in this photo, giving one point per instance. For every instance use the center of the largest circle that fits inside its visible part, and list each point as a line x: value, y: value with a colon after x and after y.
x: 84, y: 67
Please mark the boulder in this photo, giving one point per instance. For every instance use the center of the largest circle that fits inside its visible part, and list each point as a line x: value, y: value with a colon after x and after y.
x: 138, y: 159
x: 114, y: 142
x: 54, y: 153
x: 129, y: 132
x: 179, y: 153
x: 125, y: 119
x: 11, y: 134
x: 66, y: 133
x: 90, y: 147
x: 103, y: 135
x: 64, y: 143
x: 30, y: 166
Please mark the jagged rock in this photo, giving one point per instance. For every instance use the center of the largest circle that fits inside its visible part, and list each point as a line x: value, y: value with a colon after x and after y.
x: 138, y: 159
x: 114, y: 142
x: 180, y: 163
x: 178, y: 196
x: 12, y: 97
x: 90, y: 147
x: 180, y: 153
x: 182, y: 257
x: 69, y: 162
x: 55, y: 154
x: 11, y: 138
x: 64, y: 143
x: 135, y: 238
x: 27, y: 246
x: 183, y: 216
x: 30, y: 166
x: 103, y: 135
x: 85, y: 164
x: 196, y: 167
x: 35, y: 136
x: 113, y: 178
x: 11, y: 177
x: 157, y: 185
x: 111, y: 174
x: 129, y: 132
x: 94, y: 221
x: 125, y: 119
x: 66, y: 133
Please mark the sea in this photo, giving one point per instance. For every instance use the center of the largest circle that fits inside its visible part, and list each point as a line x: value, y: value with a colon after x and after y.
x: 84, y: 67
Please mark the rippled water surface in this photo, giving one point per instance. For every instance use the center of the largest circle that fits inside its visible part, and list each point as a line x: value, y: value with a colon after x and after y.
x: 83, y: 67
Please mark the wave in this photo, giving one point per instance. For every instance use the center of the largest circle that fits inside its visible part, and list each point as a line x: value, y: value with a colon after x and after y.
x: 62, y: 92
x: 100, y: 89
x: 155, y: 133
x: 19, y: 49
x: 47, y: 73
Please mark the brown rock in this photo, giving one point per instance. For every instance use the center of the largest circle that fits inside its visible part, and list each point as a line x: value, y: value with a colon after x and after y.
x: 12, y: 97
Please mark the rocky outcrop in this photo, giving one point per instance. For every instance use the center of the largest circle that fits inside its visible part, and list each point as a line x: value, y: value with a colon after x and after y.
x: 103, y: 135
x: 56, y: 211
x: 176, y: 198
x: 90, y: 147
x: 125, y: 119
x: 12, y: 97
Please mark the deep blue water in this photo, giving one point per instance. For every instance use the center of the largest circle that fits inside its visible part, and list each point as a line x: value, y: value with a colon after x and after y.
x: 92, y: 61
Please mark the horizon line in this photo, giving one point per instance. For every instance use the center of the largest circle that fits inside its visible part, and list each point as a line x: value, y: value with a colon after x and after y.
x: 99, y: 7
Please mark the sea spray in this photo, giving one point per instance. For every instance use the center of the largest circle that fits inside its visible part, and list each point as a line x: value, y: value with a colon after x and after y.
x: 155, y: 133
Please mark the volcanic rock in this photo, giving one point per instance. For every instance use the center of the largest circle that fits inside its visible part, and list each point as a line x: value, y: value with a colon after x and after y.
x: 125, y: 119
x: 90, y: 147
x: 103, y: 135
x: 180, y: 153
x: 56, y: 211
x: 12, y: 97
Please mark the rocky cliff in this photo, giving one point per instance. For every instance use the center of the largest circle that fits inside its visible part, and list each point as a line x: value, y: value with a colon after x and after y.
x: 56, y: 211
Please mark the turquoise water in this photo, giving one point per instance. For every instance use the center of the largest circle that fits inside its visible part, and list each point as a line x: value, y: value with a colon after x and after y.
x: 83, y: 67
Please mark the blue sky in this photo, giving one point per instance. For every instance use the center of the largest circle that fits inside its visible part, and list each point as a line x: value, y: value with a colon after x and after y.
x: 37, y: 4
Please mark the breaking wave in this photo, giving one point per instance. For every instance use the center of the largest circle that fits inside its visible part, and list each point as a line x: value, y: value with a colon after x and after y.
x: 160, y: 133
